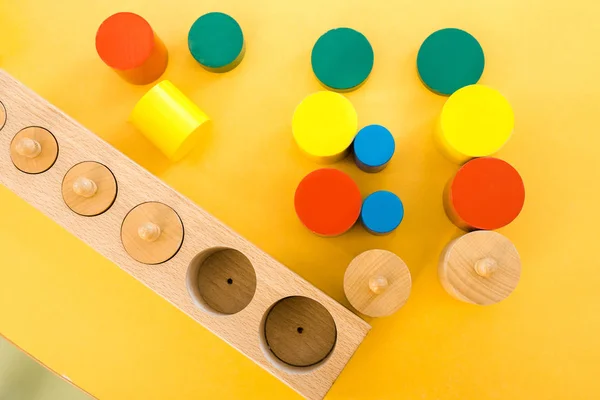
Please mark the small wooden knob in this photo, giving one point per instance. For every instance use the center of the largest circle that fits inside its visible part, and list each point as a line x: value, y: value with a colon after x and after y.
x: 486, y: 266
x: 84, y: 187
x: 378, y: 284
x: 27, y: 147
x: 149, y: 231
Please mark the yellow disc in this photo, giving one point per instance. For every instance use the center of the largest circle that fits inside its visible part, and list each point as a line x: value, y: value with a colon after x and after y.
x: 170, y: 120
x: 324, y: 126
x: 476, y: 121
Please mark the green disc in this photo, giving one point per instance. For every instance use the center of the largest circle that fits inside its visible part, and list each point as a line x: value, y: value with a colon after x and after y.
x: 450, y: 59
x: 216, y: 41
x: 342, y: 59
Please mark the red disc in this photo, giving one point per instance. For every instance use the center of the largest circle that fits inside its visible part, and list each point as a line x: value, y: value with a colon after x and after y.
x: 124, y: 41
x: 487, y: 193
x: 328, y: 201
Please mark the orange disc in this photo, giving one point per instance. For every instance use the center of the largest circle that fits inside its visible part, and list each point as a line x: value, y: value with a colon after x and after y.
x: 126, y: 42
x: 328, y: 201
x: 486, y: 193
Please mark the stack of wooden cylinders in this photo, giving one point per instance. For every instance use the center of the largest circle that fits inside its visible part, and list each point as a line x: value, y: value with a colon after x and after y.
x: 481, y: 267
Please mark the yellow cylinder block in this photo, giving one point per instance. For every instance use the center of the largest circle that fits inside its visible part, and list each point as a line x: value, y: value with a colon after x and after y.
x: 476, y: 121
x: 170, y: 120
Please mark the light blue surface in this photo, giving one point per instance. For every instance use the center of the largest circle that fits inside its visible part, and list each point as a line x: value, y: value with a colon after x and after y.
x: 374, y: 146
x: 382, y: 212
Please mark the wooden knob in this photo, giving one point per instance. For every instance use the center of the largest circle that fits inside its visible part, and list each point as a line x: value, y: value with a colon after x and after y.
x: 84, y: 187
x: 152, y: 233
x: 481, y: 267
x: 377, y: 283
x: 34, y: 150
x: 149, y: 231
x: 89, y: 188
x: 27, y: 147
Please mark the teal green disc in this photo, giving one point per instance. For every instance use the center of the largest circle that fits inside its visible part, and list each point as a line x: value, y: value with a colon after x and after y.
x: 450, y: 59
x: 342, y: 59
x: 216, y: 41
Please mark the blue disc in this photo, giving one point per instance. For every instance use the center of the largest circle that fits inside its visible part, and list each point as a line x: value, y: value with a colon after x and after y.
x: 374, y: 147
x: 382, y: 212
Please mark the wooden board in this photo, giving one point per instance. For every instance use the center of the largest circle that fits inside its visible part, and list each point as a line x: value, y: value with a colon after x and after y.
x: 203, y: 232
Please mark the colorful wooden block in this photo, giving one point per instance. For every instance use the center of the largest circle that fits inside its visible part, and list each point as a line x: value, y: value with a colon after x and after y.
x: 126, y: 43
x: 342, y: 59
x: 216, y: 41
x: 170, y: 120
x: 146, y: 225
x: 450, y: 59
x: 481, y: 267
x: 327, y: 201
x: 476, y: 121
x: 382, y: 212
x: 324, y: 125
x: 373, y: 148
x: 486, y: 193
x: 377, y: 283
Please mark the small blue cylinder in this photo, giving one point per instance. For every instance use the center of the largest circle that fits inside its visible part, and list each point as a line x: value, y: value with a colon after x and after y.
x: 374, y: 147
x: 382, y: 212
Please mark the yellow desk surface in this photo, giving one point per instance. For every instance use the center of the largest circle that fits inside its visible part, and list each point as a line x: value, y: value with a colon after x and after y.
x: 88, y: 320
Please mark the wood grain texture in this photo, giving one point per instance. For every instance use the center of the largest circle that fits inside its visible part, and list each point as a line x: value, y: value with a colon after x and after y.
x: 481, y: 267
x: 42, y: 161
x: 226, y: 281
x: 104, y: 183
x: 2, y: 115
x: 377, y: 283
x: 273, y: 280
x: 300, y: 331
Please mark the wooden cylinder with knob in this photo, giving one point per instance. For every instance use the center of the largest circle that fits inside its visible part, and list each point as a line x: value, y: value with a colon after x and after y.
x: 34, y: 150
x: 481, y: 267
x: 89, y: 188
x: 377, y: 283
x: 152, y: 233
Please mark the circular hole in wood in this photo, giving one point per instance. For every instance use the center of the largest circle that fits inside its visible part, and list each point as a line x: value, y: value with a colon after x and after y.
x: 89, y: 188
x: 299, y: 331
x: 152, y: 233
x: 2, y: 115
x: 222, y: 280
x: 34, y: 150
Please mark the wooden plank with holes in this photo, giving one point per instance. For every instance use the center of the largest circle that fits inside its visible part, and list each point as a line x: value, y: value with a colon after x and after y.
x: 184, y: 244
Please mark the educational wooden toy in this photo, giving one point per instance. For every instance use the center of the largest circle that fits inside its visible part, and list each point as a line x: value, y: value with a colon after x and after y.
x: 450, y: 59
x: 373, y: 148
x: 486, y: 193
x: 170, y: 120
x: 216, y: 41
x: 324, y: 125
x: 149, y: 223
x: 327, y: 201
x: 342, y: 59
x: 476, y: 121
x: 381, y: 212
x: 377, y: 283
x: 33, y: 150
x: 89, y: 188
x: 127, y: 43
x: 481, y: 267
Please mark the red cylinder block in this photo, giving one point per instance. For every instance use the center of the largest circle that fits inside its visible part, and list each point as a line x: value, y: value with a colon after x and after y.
x: 486, y: 193
x: 127, y: 43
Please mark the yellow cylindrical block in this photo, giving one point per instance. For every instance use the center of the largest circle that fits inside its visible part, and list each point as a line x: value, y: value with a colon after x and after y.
x: 476, y: 121
x: 170, y: 120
